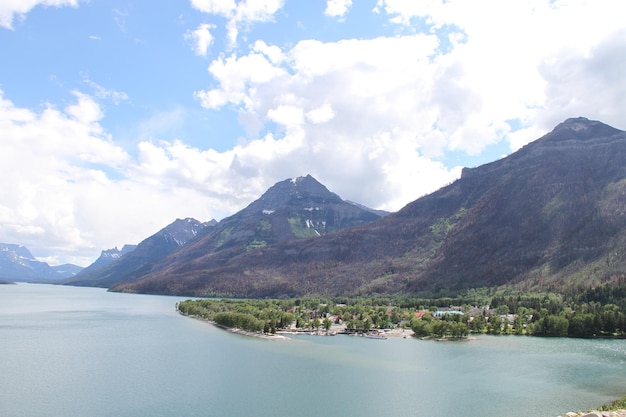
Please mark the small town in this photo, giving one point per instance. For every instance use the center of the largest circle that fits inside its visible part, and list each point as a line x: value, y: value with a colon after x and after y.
x: 532, y: 315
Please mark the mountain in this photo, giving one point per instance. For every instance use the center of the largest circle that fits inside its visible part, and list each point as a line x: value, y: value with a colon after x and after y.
x: 66, y: 270
x: 108, y: 256
x: 294, y: 208
x: 114, y: 267
x: 549, y: 216
x: 18, y: 264
x: 290, y: 210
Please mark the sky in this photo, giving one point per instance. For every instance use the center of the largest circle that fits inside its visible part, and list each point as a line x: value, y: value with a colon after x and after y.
x: 118, y: 117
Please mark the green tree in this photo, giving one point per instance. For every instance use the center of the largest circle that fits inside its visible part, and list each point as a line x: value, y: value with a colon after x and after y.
x: 494, y: 326
x: 581, y: 325
x: 478, y: 324
x: 458, y: 330
x: 327, y: 323
x: 502, y: 310
x: 367, y: 324
x: 421, y: 328
x: 551, y: 325
x: 316, y: 323
x: 441, y: 328
x: 286, y: 320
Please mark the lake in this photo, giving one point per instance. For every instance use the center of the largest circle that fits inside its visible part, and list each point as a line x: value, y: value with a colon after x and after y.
x: 70, y: 351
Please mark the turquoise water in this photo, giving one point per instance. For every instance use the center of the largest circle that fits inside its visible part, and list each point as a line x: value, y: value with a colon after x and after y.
x: 68, y: 351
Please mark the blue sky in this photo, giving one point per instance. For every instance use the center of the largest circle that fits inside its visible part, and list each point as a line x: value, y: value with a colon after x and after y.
x: 117, y: 117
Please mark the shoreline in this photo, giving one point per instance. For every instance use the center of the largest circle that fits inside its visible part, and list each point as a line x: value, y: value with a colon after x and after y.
x: 241, y: 332
x: 596, y: 413
x: 281, y: 334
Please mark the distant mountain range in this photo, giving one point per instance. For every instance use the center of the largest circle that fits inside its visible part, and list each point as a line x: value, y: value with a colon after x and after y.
x: 549, y: 216
x: 18, y: 264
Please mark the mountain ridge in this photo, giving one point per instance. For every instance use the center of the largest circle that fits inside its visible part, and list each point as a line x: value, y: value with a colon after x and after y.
x: 108, y: 256
x: 292, y: 209
x: 18, y: 264
x: 133, y: 261
x: 549, y: 214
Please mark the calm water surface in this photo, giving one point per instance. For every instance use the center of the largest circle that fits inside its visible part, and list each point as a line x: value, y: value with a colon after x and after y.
x: 67, y: 351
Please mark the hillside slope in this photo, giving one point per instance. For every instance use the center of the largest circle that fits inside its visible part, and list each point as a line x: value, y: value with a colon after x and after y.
x: 293, y: 209
x: 115, y: 267
x: 551, y: 215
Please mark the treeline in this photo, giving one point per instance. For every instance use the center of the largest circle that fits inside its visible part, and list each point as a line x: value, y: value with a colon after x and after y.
x: 251, y: 315
x: 552, y: 315
x: 607, y: 323
x: 476, y: 312
x: 449, y: 326
x: 571, y: 315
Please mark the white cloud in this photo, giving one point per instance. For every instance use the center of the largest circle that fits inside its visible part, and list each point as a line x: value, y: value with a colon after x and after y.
x: 240, y: 14
x: 10, y: 9
x: 355, y: 109
x: 200, y: 39
x: 67, y: 188
x: 321, y: 114
x: 502, y: 68
x: 86, y: 110
x: 273, y: 53
x: 337, y: 8
x: 219, y: 7
x: 228, y: 180
x: 286, y: 115
x: 382, y: 111
x: 47, y: 159
x: 590, y: 85
x: 236, y: 75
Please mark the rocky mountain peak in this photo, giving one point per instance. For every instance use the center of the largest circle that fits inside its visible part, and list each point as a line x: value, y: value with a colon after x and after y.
x: 581, y: 128
x: 293, y: 208
x: 16, y: 251
x: 18, y: 264
x: 299, y: 188
x: 574, y: 134
x: 182, y: 231
x: 106, y: 272
x: 115, y: 253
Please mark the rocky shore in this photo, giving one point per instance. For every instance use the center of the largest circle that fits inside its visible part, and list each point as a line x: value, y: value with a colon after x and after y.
x: 615, y: 413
